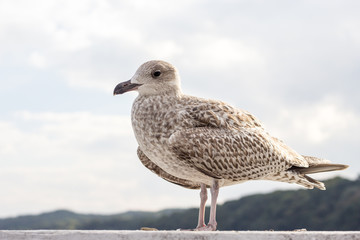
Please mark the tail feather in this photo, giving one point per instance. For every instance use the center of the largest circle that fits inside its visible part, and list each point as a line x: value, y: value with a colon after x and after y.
x: 316, y: 183
x: 325, y: 167
x: 297, y: 174
x: 295, y: 177
x: 316, y: 165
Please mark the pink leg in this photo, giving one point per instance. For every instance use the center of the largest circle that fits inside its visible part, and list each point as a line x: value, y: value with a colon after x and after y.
x: 203, y: 198
x: 212, y: 220
x: 214, y: 195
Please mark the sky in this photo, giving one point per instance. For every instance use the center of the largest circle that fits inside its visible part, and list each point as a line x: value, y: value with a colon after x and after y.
x: 67, y: 143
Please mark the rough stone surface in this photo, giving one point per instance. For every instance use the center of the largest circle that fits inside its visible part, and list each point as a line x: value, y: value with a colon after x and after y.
x: 173, y: 235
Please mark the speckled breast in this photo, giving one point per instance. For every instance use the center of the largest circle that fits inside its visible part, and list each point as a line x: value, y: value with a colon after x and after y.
x: 154, y: 119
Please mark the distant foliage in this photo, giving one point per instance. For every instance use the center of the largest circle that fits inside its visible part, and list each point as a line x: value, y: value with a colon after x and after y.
x: 337, y: 208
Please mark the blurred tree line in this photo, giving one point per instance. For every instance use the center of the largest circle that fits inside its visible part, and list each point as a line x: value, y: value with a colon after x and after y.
x: 337, y: 208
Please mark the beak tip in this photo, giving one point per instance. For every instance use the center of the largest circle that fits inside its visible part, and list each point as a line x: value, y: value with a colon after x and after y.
x: 125, y: 87
x: 118, y: 89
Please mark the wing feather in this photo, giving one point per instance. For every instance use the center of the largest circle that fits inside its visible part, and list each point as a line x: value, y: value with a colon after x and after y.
x: 240, y: 154
x: 211, y: 115
x: 217, y: 114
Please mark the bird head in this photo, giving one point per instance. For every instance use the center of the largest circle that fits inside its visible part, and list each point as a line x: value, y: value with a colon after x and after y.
x: 152, y: 78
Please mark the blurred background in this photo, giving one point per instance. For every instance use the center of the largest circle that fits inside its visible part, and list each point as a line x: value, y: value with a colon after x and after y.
x: 67, y: 143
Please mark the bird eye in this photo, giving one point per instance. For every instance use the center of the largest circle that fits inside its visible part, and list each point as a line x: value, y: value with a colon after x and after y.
x: 156, y: 73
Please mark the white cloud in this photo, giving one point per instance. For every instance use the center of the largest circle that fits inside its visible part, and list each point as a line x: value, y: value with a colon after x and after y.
x: 65, y: 135
x: 68, y: 38
x: 223, y: 53
x: 59, y: 153
x: 37, y: 60
x: 317, y: 122
x: 167, y: 49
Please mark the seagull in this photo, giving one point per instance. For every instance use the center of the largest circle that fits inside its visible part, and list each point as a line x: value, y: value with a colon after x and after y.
x: 200, y: 143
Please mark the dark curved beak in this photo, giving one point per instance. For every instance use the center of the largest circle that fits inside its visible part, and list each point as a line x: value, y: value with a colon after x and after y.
x: 125, y: 87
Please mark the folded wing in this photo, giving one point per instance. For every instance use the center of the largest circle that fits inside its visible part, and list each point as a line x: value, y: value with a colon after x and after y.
x: 233, y: 154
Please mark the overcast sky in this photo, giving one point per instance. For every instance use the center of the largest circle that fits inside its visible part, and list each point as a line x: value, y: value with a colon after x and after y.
x: 66, y: 141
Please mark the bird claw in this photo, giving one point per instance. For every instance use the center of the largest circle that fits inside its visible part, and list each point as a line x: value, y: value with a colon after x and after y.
x: 209, y: 227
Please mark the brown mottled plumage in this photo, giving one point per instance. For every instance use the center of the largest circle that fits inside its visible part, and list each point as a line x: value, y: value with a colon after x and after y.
x: 200, y: 143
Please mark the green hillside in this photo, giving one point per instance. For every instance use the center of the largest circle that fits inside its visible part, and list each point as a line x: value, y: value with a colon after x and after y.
x: 337, y: 208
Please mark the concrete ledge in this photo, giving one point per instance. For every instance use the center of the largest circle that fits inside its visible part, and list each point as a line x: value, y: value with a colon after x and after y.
x: 176, y: 235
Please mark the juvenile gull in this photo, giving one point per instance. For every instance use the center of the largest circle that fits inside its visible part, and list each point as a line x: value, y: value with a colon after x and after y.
x: 200, y: 143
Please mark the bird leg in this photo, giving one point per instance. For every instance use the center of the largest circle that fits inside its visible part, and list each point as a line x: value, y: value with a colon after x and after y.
x: 203, y: 198
x: 214, y: 190
x: 214, y: 195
